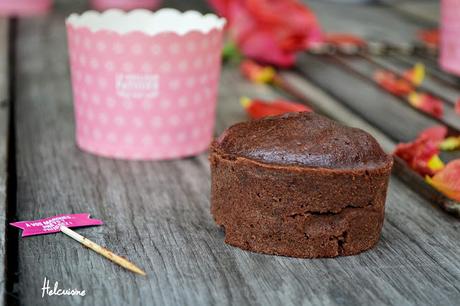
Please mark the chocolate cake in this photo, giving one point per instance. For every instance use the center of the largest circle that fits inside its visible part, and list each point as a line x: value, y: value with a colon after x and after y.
x: 299, y: 185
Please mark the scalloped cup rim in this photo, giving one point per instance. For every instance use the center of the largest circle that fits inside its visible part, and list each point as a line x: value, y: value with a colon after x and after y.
x: 109, y: 21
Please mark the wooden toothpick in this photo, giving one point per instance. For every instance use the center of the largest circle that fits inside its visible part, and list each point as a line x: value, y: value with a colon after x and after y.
x: 102, y: 251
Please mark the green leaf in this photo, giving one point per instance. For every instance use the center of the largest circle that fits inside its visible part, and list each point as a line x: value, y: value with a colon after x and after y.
x: 231, y: 53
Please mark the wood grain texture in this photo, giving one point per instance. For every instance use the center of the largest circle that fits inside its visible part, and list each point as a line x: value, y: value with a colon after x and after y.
x: 368, y: 69
x: 4, y: 133
x: 365, y: 99
x: 424, y: 11
x: 382, y: 24
x: 368, y: 21
x: 432, y: 69
x: 157, y: 215
x: 450, y: 93
x: 369, y: 101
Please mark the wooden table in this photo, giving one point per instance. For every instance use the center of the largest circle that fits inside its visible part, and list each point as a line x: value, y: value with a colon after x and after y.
x: 157, y: 213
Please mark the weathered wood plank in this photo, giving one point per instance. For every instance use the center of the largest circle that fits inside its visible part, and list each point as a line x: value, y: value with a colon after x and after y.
x: 368, y: 69
x: 4, y: 137
x: 157, y: 214
x: 370, y: 102
x: 426, y: 12
x: 386, y: 26
x: 379, y: 23
x: 433, y: 69
x: 449, y: 93
x: 368, y: 21
x: 399, y: 30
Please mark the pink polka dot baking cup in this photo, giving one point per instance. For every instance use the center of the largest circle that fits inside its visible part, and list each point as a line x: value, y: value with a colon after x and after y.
x: 145, y: 84
x: 125, y: 4
x: 24, y: 7
x: 450, y: 33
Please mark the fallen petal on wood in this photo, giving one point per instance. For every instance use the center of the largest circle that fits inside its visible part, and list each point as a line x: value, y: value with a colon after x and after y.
x: 427, y: 104
x: 447, y: 180
x: 418, y: 183
x: 257, y: 109
x: 450, y: 143
x: 430, y: 37
x: 392, y: 83
x: 416, y: 75
x: 419, y: 153
x: 257, y: 73
x: 435, y: 133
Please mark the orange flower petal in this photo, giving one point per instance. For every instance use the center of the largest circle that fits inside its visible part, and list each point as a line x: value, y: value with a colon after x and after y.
x: 419, y: 154
x: 435, y: 133
x: 450, y: 143
x: 391, y: 83
x: 257, y: 109
x: 435, y: 164
x: 457, y: 107
x: 257, y: 73
x: 427, y: 104
x: 415, y: 99
x: 416, y: 75
x: 430, y: 37
x: 447, y: 180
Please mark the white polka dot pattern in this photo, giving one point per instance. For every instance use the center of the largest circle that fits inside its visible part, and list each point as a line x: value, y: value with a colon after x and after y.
x: 143, y: 97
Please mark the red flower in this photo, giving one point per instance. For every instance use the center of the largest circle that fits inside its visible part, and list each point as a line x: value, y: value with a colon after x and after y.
x: 447, y: 180
x: 270, y: 31
x: 257, y: 109
x: 422, y: 154
x: 427, y: 103
x: 393, y: 84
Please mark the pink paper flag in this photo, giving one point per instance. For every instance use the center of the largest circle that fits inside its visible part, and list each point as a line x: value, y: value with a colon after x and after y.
x: 53, y: 224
